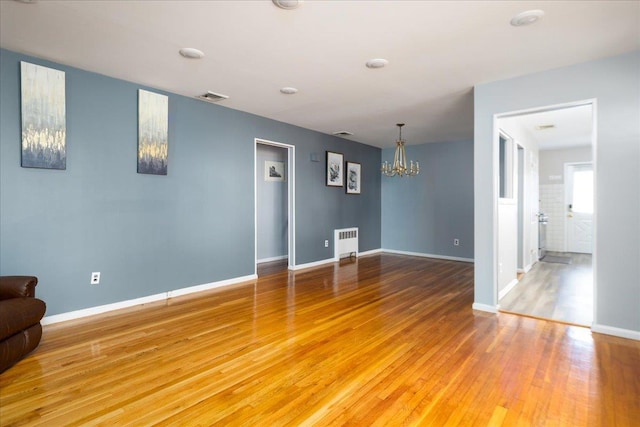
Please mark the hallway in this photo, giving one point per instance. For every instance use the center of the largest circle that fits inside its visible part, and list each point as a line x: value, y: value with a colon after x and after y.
x: 562, y: 292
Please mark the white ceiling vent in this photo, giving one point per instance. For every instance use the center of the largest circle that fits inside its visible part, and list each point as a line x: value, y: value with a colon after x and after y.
x: 212, y: 97
x: 343, y: 133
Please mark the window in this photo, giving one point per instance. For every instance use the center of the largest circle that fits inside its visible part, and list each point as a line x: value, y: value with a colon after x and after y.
x: 582, y: 190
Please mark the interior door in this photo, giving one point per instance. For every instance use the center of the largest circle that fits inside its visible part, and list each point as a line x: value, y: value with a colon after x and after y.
x: 579, y: 204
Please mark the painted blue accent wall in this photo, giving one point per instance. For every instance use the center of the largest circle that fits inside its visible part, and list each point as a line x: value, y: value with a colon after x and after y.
x: 423, y: 214
x: 150, y: 234
x: 614, y: 83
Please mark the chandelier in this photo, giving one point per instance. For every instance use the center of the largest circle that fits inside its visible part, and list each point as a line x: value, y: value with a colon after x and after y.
x: 400, y: 166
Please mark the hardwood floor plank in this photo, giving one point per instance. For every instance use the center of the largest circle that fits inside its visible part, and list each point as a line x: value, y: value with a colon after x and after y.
x: 561, y: 292
x: 382, y: 340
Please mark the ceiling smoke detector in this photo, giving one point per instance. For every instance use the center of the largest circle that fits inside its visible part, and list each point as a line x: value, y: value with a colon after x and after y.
x: 212, y: 97
x: 527, y: 18
x: 289, y: 90
x: 343, y: 133
x: 287, y: 4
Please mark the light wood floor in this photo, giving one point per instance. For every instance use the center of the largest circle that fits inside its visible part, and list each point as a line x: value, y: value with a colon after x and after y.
x: 384, y: 340
x: 562, y: 292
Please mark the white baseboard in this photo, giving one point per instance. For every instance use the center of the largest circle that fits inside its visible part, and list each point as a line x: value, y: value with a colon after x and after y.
x: 212, y: 285
x: 331, y: 260
x: 525, y: 269
x: 507, y: 289
x: 371, y: 252
x: 484, y: 307
x: 445, y: 257
x: 274, y: 258
x: 78, y: 314
x: 617, y: 332
x: 312, y: 264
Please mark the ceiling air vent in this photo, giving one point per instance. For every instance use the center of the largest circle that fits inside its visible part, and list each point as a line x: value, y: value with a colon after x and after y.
x: 343, y: 133
x: 212, y: 97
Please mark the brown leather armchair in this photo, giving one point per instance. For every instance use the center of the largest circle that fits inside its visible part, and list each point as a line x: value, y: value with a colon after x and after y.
x: 20, y: 315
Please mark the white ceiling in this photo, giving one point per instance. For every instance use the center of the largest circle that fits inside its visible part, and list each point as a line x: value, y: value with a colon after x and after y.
x: 572, y: 127
x: 437, y: 52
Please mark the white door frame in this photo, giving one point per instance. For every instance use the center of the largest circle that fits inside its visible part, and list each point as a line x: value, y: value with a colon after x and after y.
x: 291, y: 205
x: 496, y: 186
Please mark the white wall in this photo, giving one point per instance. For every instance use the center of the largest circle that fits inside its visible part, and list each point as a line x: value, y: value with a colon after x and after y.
x: 507, y: 242
x: 527, y: 215
x: 614, y: 84
x: 552, y: 162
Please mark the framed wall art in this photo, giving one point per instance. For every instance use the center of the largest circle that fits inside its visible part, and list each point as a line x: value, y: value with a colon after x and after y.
x: 153, y: 132
x: 335, y: 172
x: 274, y: 171
x: 44, y: 129
x: 353, y: 177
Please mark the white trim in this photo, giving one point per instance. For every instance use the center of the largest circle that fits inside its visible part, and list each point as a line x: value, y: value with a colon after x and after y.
x: 484, y: 307
x: 311, y: 264
x: 291, y: 199
x: 332, y: 260
x: 594, y: 161
x: 211, y: 285
x: 496, y: 185
x: 371, y: 252
x: 423, y: 255
x: 91, y: 311
x: 526, y: 268
x: 273, y: 258
x: 507, y: 289
x: 616, y: 332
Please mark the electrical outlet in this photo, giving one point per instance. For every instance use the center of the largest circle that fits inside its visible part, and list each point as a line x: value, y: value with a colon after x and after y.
x: 95, y: 278
x: 326, y: 243
x: 456, y: 242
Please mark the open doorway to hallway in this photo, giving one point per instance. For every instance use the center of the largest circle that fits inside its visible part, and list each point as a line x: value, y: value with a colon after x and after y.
x: 559, y: 284
x: 274, y: 206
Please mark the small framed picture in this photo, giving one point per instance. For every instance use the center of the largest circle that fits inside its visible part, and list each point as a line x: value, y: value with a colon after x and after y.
x: 335, y: 172
x: 353, y: 178
x: 274, y: 171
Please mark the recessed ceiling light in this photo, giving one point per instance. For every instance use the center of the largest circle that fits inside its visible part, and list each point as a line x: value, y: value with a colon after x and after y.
x: 376, y: 63
x: 343, y: 133
x: 526, y: 18
x: 289, y: 90
x: 287, y: 4
x: 191, y: 53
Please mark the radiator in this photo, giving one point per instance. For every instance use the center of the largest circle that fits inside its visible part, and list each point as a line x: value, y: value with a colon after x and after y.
x: 345, y: 242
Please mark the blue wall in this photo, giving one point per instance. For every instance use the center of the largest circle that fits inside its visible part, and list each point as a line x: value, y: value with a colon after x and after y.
x: 423, y: 214
x: 150, y: 234
x: 615, y: 85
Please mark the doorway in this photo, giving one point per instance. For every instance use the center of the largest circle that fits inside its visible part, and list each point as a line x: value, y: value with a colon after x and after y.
x: 274, y: 202
x: 561, y: 285
x: 579, y: 202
